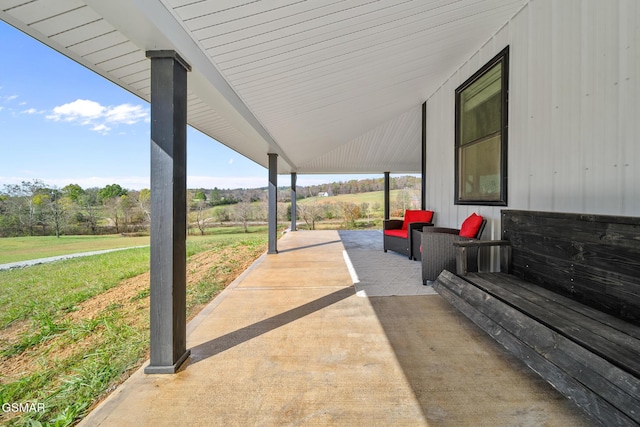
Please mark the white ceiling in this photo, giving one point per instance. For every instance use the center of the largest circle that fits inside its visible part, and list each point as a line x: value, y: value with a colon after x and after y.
x: 332, y: 86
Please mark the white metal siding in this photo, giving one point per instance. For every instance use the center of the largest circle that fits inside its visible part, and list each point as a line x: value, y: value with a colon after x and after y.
x: 574, y: 113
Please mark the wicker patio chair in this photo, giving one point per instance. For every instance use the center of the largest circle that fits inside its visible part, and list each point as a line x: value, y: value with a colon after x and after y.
x: 398, y: 234
x: 437, y: 246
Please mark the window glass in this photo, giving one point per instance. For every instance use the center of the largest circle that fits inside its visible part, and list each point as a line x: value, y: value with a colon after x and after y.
x: 481, y: 137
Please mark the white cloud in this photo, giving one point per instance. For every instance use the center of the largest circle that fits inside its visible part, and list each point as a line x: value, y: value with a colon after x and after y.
x: 231, y: 161
x: 7, y: 99
x: 126, y: 113
x: 80, y: 109
x: 98, y: 117
x: 101, y: 128
x: 31, y: 111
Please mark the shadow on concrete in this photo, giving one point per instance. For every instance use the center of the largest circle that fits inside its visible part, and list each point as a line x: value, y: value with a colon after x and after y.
x: 461, y: 376
x: 308, y: 246
x: 232, y: 339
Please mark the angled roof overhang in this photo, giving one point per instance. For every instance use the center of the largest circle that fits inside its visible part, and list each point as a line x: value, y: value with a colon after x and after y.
x: 331, y: 87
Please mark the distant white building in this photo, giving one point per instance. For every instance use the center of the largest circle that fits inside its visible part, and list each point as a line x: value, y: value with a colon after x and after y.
x: 323, y: 194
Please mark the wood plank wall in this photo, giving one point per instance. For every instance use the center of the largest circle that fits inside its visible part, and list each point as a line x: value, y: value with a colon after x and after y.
x: 594, y: 259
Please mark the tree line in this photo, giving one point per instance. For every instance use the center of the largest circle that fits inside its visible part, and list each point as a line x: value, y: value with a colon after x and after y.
x: 359, y: 186
x: 35, y: 208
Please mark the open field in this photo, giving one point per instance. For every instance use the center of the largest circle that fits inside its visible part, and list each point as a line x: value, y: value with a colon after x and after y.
x: 14, y: 249
x: 371, y: 197
x: 374, y: 199
x: 70, y: 331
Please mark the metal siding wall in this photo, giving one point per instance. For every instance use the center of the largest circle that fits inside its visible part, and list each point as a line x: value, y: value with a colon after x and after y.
x: 519, y: 154
x: 574, y: 114
x: 565, y: 108
x: 629, y: 119
x: 602, y: 177
x: 541, y: 161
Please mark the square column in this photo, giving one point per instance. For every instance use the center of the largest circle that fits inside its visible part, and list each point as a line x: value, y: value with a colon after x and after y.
x: 273, y: 204
x: 387, y: 184
x: 423, y: 187
x: 294, y: 177
x: 168, y: 211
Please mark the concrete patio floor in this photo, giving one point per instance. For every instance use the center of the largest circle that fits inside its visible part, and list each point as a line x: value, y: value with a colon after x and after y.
x: 290, y: 343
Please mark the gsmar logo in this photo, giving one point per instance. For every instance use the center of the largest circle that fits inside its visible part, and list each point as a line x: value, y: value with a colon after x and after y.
x: 23, y: 407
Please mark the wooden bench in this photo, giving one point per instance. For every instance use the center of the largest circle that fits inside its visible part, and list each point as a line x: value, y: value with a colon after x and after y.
x: 566, y: 302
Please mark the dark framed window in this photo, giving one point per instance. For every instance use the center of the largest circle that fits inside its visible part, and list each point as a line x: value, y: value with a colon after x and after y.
x: 481, y: 135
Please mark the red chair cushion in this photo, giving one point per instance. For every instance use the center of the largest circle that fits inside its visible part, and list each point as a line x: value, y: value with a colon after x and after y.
x: 471, y: 225
x: 397, y: 233
x: 416, y: 216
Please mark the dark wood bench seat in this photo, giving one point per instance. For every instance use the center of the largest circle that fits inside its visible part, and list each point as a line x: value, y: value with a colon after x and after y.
x: 590, y: 356
x: 607, y: 336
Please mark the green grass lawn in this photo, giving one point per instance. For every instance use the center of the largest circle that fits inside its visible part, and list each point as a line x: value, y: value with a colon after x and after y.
x: 73, y: 329
x: 13, y: 249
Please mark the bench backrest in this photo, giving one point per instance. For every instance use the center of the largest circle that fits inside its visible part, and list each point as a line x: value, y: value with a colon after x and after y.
x: 594, y: 259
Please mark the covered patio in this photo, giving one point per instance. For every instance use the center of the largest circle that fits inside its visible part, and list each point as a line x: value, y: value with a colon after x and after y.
x: 357, y: 86
x: 291, y: 343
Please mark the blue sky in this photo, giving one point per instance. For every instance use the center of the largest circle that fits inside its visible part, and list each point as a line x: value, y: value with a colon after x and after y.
x: 61, y: 123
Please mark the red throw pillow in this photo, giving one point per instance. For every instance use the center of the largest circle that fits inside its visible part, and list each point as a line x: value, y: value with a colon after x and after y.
x: 416, y: 216
x: 471, y: 225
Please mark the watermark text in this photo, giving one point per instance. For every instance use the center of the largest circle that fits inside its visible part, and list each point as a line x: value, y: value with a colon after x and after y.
x: 23, y: 407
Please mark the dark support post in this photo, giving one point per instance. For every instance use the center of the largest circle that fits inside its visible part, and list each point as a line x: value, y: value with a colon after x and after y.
x: 423, y: 195
x: 168, y: 211
x: 273, y: 203
x: 294, y: 177
x: 387, y: 184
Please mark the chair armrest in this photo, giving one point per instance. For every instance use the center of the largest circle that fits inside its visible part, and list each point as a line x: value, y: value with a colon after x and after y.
x: 441, y: 230
x: 418, y: 226
x: 392, y: 224
x: 468, y: 251
x: 482, y: 243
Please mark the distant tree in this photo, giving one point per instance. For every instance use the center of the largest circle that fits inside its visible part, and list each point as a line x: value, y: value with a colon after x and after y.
x: 242, y: 212
x: 200, y: 196
x: 222, y: 214
x: 57, y: 210
x: 25, y: 204
x: 403, y: 199
x: 73, y: 192
x: 197, y: 215
x: 215, y: 197
x: 112, y: 207
x: 310, y: 213
x: 111, y: 191
x: 365, y: 210
x: 6, y: 220
x: 350, y: 212
x: 126, y: 206
x: 144, y: 202
x: 89, y: 211
x: 111, y: 197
